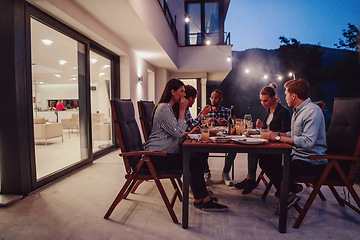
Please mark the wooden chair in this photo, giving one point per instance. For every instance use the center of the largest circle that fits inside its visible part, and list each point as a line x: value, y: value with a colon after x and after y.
x: 137, y: 162
x: 145, y: 112
x: 343, y: 140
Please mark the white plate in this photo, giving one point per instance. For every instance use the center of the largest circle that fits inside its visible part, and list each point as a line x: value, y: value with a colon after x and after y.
x: 220, y: 139
x: 194, y: 136
x: 255, y: 136
x: 251, y: 141
x: 237, y: 137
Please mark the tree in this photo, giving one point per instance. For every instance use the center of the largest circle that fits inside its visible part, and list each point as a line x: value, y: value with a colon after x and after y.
x: 351, y: 41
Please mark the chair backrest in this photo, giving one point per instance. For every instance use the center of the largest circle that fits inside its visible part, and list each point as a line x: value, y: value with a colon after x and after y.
x: 343, y: 135
x: 145, y: 112
x: 126, y: 129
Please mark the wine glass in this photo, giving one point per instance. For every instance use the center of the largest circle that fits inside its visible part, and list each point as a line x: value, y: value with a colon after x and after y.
x: 248, y: 121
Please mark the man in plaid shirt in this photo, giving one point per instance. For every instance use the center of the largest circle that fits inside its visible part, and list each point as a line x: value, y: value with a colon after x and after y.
x: 215, y: 115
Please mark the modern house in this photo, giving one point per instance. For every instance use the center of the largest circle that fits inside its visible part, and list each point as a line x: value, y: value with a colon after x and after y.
x: 82, y: 53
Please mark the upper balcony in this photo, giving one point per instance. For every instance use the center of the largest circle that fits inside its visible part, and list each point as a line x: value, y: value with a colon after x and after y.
x: 136, y: 26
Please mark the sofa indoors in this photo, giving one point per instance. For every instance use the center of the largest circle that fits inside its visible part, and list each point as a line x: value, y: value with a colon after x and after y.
x: 44, y: 130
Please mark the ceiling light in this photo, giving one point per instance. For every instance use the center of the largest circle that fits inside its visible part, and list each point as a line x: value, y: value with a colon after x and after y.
x: 93, y: 60
x: 47, y: 42
x: 62, y: 62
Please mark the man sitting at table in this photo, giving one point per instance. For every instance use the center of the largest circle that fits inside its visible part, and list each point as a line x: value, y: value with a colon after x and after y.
x: 216, y: 115
x: 307, y: 136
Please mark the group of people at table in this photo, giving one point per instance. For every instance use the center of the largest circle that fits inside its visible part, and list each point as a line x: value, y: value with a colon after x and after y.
x: 305, y: 131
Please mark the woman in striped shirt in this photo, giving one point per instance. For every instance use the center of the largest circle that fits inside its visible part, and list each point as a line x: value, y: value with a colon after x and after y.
x: 167, y: 133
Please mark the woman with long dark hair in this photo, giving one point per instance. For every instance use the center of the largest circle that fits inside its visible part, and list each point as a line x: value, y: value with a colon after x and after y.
x: 167, y: 133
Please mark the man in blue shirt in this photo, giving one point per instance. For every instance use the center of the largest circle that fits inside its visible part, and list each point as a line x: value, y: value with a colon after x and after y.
x: 307, y: 136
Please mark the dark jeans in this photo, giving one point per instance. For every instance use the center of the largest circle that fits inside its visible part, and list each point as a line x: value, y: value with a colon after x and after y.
x: 229, y: 160
x: 197, y: 164
x: 271, y: 164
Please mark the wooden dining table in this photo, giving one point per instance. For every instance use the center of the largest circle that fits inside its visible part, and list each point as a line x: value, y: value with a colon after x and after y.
x: 190, y: 146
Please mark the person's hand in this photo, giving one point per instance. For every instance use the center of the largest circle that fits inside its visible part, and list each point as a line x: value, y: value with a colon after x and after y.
x: 272, y: 136
x: 210, y: 121
x: 195, y: 130
x: 205, y: 111
x: 259, y: 123
x: 183, y: 104
x: 221, y: 121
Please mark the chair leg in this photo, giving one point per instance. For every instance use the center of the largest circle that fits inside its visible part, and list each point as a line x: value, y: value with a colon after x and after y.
x: 307, y: 206
x: 138, y: 182
x: 180, y: 188
x: 162, y: 191
x: 267, y: 189
x: 338, y: 198
x: 321, y: 195
x: 128, y: 190
x: 312, y: 196
x: 118, y: 198
x: 262, y: 178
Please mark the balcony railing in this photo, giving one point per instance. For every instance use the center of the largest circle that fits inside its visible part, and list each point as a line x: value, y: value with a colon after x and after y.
x: 169, y: 18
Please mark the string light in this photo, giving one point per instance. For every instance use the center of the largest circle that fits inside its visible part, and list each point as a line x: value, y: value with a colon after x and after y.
x: 270, y: 76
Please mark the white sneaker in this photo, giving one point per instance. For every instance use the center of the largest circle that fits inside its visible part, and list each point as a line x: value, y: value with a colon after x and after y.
x: 227, y: 180
x: 207, y: 177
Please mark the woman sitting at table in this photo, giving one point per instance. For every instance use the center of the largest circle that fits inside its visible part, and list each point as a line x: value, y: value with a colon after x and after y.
x: 167, y: 133
x: 277, y: 119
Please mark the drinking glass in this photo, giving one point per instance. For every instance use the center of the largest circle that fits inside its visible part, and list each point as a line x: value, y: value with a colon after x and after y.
x: 205, y: 134
x: 248, y: 121
x: 240, y: 126
x: 265, y: 133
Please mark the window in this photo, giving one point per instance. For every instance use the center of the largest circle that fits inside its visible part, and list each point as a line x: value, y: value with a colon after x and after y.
x: 204, y: 23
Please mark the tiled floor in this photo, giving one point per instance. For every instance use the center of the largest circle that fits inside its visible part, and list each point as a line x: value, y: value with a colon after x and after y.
x: 73, y: 208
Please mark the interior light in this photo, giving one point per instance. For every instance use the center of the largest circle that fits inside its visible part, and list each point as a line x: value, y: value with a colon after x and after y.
x: 141, y: 80
x: 208, y: 42
x: 47, y: 42
x: 290, y: 74
x: 279, y: 78
x: 62, y: 62
x: 265, y: 76
x: 247, y: 70
x: 93, y: 60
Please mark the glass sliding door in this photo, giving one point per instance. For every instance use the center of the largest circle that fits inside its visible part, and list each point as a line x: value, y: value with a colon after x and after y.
x: 58, y: 63
x: 100, y: 89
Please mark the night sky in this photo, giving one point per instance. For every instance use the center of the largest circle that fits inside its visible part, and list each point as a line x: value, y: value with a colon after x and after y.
x: 259, y: 23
